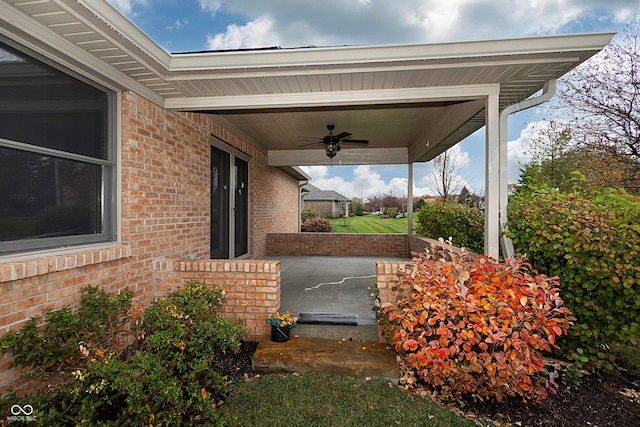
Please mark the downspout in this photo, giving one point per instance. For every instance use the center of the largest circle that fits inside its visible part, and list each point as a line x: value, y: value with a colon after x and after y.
x: 300, y: 203
x: 548, y: 90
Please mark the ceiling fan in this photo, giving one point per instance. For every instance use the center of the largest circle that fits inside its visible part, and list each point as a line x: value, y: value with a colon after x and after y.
x: 332, y: 142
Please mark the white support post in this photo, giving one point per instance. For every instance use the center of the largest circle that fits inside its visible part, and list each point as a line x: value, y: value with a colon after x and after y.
x: 492, y: 175
x: 410, y: 198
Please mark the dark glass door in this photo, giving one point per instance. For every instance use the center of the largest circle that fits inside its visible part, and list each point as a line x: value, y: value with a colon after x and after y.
x: 220, y: 163
x: 241, y: 208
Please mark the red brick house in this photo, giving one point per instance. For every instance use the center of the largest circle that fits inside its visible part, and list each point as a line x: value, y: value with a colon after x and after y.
x: 122, y: 165
x: 328, y: 203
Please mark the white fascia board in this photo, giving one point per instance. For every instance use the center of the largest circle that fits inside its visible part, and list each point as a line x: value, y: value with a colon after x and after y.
x: 119, y: 23
x: 358, y: 68
x: 317, y: 56
x: 320, y: 99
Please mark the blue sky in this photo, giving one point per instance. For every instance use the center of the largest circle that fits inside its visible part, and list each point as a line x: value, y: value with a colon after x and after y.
x: 195, y: 25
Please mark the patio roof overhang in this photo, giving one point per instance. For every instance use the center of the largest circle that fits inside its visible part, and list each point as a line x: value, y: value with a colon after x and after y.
x: 412, y: 102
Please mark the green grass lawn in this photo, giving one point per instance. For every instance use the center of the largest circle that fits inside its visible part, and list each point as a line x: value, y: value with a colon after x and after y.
x: 371, y: 224
x: 320, y: 400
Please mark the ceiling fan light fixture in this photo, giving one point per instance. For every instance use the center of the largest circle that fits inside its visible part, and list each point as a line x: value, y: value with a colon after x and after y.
x: 332, y: 150
x: 332, y: 142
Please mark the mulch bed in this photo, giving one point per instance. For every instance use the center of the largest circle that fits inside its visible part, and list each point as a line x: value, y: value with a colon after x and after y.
x: 238, y: 364
x: 605, y: 400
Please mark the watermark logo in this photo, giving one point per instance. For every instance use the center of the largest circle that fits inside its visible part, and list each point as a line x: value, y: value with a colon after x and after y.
x: 22, y: 413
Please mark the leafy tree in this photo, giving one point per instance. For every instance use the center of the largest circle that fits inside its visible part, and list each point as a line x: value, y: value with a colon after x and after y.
x: 603, y: 167
x: 603, y: 100
x: 356, y: 204
x: 469, y: 199
x: 553, y: 159
x: 391, y: 201
x: 555, y: 156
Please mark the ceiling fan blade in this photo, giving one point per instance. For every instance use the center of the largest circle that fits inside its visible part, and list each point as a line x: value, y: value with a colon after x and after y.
x: 356, y: 141
x: 311, y: 144
x: 342, y: 135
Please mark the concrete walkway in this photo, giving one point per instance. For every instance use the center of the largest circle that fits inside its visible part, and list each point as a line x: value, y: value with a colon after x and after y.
x: 336, y: 285
x: 327, y: 284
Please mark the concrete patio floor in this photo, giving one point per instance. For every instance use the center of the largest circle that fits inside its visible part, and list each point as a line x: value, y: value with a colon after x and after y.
x: 330, y: 284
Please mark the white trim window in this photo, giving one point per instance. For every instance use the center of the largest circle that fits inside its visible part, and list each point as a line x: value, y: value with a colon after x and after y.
x: 57, y: 155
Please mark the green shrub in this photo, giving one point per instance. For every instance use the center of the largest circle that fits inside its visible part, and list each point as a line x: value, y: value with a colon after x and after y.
x: 317, y: 225
x: 592, y: 242
x: 391, y: 212
x: 468, y: 325
x: 169, y: 378
x: 628, y: 357
x: 188, y: 318
x: 308, y: 213
x: 66, y: 338
x: 463, y: 224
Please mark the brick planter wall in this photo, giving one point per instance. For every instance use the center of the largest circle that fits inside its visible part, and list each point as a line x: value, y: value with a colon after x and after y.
x: 252, y: 287
x: 388, y: 274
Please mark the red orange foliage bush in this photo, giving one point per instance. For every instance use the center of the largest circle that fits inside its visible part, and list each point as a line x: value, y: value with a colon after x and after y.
x: 317, y: 225
x: 468, y: 325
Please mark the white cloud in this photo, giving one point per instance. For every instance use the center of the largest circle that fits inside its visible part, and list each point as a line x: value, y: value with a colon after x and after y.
x: 127, y: 6
x: 178, y: 25
x: 316, y: 172
x: 519, y: 149
x: 210, y: 6
x: 363, y: 181
x: 340, y: 22
x: 255, y: 34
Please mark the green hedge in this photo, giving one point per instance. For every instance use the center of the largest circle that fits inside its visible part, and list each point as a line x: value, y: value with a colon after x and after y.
x: 465, y: 225
x: 592, y: 243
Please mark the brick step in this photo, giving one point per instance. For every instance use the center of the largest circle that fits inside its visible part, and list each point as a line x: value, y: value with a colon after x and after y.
x: 326, y: 356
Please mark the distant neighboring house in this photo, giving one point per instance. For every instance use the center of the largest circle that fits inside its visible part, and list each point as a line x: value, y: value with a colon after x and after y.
x: 328, y: 203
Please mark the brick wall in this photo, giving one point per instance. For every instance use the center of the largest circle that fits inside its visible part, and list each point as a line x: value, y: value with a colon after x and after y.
x: 252, y: 287
x: 28, y: 288
x: 165, y: 212
x: 388, y: 274
x: 339, y: 244
x: 323, y: 207
x: 275, y: 206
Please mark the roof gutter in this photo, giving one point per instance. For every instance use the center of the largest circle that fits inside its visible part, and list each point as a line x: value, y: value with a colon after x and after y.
x: 548, y: 91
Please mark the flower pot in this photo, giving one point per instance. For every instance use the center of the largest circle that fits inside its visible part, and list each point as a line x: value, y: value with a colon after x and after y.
x: 280, y: 333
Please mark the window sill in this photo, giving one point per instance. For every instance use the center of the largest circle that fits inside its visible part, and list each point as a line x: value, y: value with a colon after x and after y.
x: 30, y: 265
